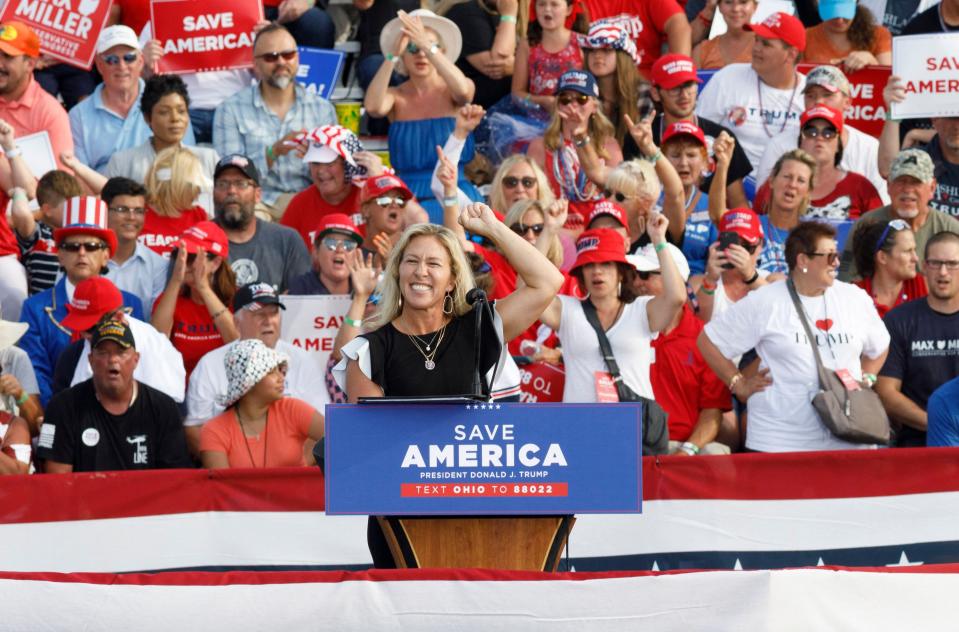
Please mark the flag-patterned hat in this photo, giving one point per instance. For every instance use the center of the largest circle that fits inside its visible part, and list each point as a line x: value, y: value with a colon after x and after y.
x: 86, y: 215
x: 606, y: 34
x: 329, y: 142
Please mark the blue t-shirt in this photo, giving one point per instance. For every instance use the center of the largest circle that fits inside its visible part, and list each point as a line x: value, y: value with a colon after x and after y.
x: 943, y: 415
x: 773, y: 256
x: 700, y: 233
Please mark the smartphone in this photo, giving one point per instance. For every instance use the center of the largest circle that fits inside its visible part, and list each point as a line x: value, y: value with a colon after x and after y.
x: 727, y: 239
x: 644, y: 102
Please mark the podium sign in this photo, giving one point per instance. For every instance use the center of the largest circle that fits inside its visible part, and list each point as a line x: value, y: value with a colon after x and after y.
x: 483, y: 459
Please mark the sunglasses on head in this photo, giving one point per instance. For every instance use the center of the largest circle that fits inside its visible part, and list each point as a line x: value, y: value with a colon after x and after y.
x: 521, y: 229
x: 645, y: 274
x: 273, y: 57
x: 332, y: 244
x: 386, y: 201
x: 113, y: 59
x: 510, y: 182
x: 412, y: 48
x: 897, y: 225
x: 77, y: 246
x: 566, y: 99
x: 615, y: 195
x: 811, y: 131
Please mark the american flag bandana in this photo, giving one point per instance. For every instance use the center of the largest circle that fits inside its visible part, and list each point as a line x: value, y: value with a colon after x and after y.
x: 605, y: 34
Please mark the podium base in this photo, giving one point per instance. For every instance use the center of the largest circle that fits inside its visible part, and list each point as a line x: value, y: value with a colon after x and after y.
x: 530, y: 543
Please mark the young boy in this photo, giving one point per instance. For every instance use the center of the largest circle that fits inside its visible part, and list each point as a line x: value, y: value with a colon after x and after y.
x: 38, y: 251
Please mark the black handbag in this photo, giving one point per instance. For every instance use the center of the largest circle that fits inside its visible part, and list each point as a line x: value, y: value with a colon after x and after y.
x: 655, y: 422
x: 854, y: 416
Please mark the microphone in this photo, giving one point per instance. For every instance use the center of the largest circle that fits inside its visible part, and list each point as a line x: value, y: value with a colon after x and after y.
x: 475, y: 296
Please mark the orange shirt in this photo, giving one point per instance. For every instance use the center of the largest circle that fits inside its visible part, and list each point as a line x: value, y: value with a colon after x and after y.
x: 819, y: 50
x: 279, y: 445
x: 710, y: 56
x: 37, y: 111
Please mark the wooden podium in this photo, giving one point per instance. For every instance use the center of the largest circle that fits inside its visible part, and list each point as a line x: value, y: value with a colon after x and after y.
x: 527, y: 543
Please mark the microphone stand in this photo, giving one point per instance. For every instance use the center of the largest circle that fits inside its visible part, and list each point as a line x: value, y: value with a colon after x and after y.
x: 478, y: 299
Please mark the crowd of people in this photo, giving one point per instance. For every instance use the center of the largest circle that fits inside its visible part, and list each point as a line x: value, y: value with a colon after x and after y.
x: 661, y: 240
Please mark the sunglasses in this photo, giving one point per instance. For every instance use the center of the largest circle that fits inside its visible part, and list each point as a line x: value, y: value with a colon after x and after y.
x: 831, y: 257
x: 88, y: 246
x: 128, y: 58
x: 190, y: 258
x: 645, y: 274
x: 566, y: 99
x: 333, y: 244
x: 387, y: 201
x: 520, y: 228
x: 272, y: 58
x: 616, y: 195
x: 510, y: 182
x: 139, y: 211
x: 897, y: 225
x: 412, y: 48
x: 827, y: 133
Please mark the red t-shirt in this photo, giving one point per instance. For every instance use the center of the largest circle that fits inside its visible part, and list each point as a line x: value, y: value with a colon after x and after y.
x: 683, y: 384
x: 193, y: 334
x: 160, y: 233
x: 307, y: 207
x: 8, y: 241
x: 911, y: 289
x: 644, y: 20
x: 852, y: 197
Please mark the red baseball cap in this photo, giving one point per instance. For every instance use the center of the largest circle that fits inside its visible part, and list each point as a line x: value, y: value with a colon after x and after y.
x: 385, y: 183
x: 208, y: 236
x: 781, y: 26
x: 744, y: 222
x: 684, y: 128
x: 599, y: 245
x: 339, y: 223
x: 16, y: 38
x: 93, y: 298
x: 824, y: 112
x: 605, y: 207
x: 674, y: 70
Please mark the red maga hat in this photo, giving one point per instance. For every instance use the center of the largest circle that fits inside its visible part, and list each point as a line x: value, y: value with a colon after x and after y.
x: 93, y: 298
x: 824, y: 112
x: 781, y: 26
x: 599, y: 245
x: 744, y: 222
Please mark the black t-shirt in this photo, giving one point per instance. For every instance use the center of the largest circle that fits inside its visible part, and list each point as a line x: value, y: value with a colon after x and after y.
x: 479, y: 30
x: 400, y: 369
x: 923, y: 354
x: 374, y: 19
x: 946, y: 198
x: 79, y: 431
x: 929, y: 21
x: 739, y: 166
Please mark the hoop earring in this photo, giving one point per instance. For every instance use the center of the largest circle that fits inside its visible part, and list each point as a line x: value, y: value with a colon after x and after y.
x: 448, y: 300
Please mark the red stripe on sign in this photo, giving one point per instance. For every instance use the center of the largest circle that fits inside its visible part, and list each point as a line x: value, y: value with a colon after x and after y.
x: 483, y: 490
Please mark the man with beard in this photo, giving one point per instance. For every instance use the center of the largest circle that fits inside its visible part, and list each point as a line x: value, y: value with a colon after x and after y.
x: 260, y: 252
x: 264, y: 120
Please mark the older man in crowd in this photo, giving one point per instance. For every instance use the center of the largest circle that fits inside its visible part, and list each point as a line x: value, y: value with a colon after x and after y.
x: 112, y: 421
x: 264, y: 120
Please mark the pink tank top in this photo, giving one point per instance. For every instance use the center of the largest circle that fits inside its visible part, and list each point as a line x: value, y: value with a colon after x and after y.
x: 545, y: 68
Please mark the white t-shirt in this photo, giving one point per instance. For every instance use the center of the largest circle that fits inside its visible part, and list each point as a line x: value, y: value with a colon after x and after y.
x: 860, y: 155
x: 160, y: 365
x: 208, y: 382
x: 846, y: 325
x: 629, y: 338
x: 732, y: 98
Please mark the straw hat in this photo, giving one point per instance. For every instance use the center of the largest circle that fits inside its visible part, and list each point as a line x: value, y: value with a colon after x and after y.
x: 445, y: 28
x: 11, y: 332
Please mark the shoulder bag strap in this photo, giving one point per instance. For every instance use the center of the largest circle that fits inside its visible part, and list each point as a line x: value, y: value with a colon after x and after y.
x: 593, y: 318
x: 823, y: 382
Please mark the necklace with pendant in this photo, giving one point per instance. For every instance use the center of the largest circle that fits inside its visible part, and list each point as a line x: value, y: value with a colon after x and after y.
x: 429, y: 354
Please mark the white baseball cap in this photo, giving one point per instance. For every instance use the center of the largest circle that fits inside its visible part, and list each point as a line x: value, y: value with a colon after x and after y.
x: 117, y: 35
x: 645, y: 259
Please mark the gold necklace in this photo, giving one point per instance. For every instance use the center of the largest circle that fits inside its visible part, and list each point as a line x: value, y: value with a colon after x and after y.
x: 428, y: 356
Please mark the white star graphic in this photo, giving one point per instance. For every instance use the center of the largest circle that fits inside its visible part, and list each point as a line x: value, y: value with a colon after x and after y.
x: 904, y: 561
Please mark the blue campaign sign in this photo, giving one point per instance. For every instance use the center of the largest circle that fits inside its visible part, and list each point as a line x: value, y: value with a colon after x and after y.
x: 476, y: 459
x: 320, y: 69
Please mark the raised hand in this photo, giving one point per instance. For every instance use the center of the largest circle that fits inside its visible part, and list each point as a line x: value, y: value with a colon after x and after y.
x: 447, y: 174
x: 656, y: 225
x: 369, y: 161
x: 642, y: 133
x: 741, y: 260
x: 468, y: 118
x: 414, y: 30
x: 556, y: 214
x: 383, y: 245
x: 723, y: 148
x: 179, y: 266
x: 477, y: 218
x: 575, y: 118
x: 201, y: 269
x: 894, y: 92
x: 363, y: 274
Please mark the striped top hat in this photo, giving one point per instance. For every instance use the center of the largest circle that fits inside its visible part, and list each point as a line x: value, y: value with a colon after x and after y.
x: 86, y: 215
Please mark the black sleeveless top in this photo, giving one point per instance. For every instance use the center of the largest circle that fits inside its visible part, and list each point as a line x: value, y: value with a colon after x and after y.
x: 397, y: 366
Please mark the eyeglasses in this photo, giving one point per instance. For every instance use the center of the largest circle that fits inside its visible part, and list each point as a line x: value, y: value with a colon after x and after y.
x: 831, y: 257
x: 510, y: 182
x: 566, y: 99
x: 936, y: 264
x: 677, y: 90
x: 645, y: 274
x: 128, y: 210
x: 897, y: 224
x: 239, y: 185
x: 521, y: 229
x: 332, y: 244
x: 272, y: 58
x: 128, y: 58
x: 827, y: 133
x: 385, y: 201
x: 616, y: 195
x: 77, y: 246
x: 412, y: 48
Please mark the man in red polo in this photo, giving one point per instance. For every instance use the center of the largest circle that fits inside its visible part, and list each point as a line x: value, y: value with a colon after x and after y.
x: 26, y: 106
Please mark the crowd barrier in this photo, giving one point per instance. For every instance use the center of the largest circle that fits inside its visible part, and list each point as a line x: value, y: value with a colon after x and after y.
x: 872, y: 508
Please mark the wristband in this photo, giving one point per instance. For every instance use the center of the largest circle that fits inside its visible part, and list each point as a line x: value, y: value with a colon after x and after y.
x: 270, y: 155
x: 451, y: 201
x: 24, y: 397
x: 753, y: 278
x: 655, y: 157
x: 660, y: 247
x: 435, y: 48
x: 582, y: 142
x: 709, y: 285
x: 508, y: 18
x: 351, y: 322
x: 390, y: 57
x: 18, y: 194
x: 889, y: 116
x: 706, y: 290
x: 689, y: 448
x: 869, y: 378
x: 14, y: 153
